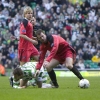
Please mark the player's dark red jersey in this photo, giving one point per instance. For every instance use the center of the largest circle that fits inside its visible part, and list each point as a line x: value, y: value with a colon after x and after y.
x: 26, y: 28
x: 58, y: 47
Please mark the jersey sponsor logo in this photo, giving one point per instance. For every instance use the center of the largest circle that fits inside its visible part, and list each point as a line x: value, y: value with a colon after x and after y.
x: 24, y: 57
x: 24, y: 31
x: 52, y: 44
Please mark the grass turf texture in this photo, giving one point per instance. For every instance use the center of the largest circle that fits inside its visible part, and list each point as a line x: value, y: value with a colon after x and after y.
x: 68, y: 90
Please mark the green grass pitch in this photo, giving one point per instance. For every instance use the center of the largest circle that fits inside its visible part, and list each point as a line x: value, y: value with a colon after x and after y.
x: 68, y: 90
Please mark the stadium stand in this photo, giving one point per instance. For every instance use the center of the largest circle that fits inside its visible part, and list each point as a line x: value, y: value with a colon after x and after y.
x: 79, y: 24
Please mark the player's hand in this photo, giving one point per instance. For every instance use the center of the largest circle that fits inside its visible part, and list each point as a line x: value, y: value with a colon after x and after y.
x: 34, y: 42
x: 34, y: 38
x: 45, y: 63
x: 36, y: 73
x: 21, y: 87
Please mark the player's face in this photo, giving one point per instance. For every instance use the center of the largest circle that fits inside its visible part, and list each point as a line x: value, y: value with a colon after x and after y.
x: 18, y: 77
x: 29, y: 15
x: 42, y: 38
x: 33, y: 21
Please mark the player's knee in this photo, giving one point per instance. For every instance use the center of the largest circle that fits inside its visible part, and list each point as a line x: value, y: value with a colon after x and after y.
x: 69, y: 66
x: 48, y: 69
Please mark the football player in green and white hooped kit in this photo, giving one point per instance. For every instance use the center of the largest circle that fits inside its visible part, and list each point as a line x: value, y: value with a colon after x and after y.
x: 23, y: 76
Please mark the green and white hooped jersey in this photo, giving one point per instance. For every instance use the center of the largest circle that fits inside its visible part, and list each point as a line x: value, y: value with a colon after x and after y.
x: 29, y: 70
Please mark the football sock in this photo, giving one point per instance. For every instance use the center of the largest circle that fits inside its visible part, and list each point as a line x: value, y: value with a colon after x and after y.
x: 52, y: 76
x: 77, y: 73
x: 11, y: 81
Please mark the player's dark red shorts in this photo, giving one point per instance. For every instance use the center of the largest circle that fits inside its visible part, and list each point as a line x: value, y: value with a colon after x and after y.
x: 25, y: 55
x: 67, y: 52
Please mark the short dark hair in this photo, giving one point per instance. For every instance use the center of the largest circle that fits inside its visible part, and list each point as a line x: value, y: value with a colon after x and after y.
x: 38, y: 32
x: 18, y: 71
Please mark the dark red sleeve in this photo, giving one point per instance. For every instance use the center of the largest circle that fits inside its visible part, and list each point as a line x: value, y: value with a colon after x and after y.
x: 54, y: 48
x: 41, y: 58
x: 22, y: 29
x: 23, y: 26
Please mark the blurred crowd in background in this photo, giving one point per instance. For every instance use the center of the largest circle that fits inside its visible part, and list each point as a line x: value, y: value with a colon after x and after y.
x: 78, y: 24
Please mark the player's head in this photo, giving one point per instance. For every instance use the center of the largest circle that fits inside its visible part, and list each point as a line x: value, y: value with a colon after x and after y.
x: 28, y: 12
x: 18, y: 73
x: 41, y: 36
x: 33, y: 21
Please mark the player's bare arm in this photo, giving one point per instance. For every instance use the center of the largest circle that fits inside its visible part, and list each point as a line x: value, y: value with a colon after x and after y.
x: 29, y: 39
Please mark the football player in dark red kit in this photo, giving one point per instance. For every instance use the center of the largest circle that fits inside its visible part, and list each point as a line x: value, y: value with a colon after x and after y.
x: 60, y: 53
x: 26, y: 48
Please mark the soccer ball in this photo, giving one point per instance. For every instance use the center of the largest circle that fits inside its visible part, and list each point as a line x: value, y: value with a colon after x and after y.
x: 84, y: 83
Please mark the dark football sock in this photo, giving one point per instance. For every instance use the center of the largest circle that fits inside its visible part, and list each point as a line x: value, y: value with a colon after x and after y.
x: 77, y: 73
x: 52, y: 76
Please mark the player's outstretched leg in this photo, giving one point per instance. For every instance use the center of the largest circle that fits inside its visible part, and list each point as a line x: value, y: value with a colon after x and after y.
x: 76, y: 72
x: 53, y: 78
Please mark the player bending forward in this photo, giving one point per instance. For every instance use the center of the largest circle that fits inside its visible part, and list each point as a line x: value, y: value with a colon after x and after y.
x: 23, y: 76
